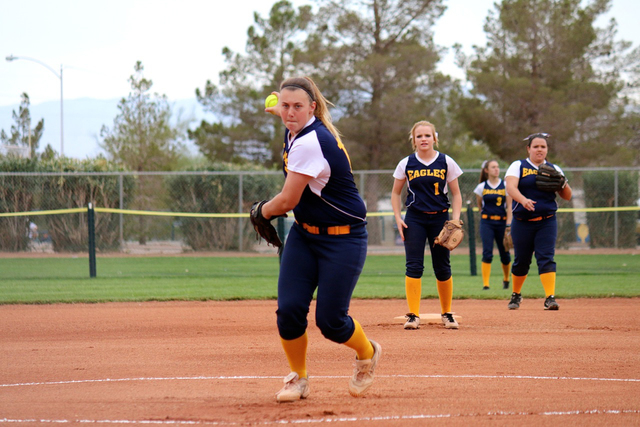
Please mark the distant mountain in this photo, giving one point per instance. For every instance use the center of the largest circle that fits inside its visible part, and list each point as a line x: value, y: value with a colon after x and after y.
x: 83, y: 119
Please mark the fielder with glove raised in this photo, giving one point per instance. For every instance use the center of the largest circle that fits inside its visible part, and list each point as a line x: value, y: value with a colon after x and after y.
x: 430, y: 177
x: 533, y: 183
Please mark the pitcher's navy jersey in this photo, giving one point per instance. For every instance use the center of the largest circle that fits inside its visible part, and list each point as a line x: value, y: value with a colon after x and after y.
x: 427, y: 183
x: 545, y: 201
x: 331, y: 197
x: 493, y: 199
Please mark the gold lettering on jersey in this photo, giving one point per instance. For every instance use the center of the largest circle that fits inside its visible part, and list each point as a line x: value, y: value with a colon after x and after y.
x: 527, y: 172
x: 344, y: 149
x: 285, y: 159
x: 437, y: 173
x: 502, y: 192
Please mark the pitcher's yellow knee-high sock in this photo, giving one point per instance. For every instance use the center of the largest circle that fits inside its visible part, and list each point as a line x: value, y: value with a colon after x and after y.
x: 413, y: 289
x: 296, y: 351
x: 360, y: 343
x: 505, y: 271
x: 518, y: 281
x: 486, y: 274
x: 549, y: 283
x: 445, y: 292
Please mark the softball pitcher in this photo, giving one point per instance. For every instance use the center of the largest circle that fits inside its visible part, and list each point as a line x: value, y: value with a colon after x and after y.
x: 429, y: 176
x: 326, y: 246
x: 492, y: 198
x: 534, y: 228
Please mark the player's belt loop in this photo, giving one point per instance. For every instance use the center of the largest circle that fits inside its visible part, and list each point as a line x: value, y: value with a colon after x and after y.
x: 336, y: 230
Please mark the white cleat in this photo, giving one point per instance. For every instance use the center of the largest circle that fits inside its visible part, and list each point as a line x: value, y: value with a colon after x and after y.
x: 295, y: 388
x: 363, y: 372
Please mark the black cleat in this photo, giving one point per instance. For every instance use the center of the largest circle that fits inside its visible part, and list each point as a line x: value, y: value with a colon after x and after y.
x: 550, y: 303
x: 516, y: 299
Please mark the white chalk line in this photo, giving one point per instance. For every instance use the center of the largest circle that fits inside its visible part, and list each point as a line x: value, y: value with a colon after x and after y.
x: 263, y: 377
x: 317, y: 420
x: 327, y: 419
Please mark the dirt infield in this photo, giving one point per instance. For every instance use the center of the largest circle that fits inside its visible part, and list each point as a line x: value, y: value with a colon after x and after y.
x: 220, y: 363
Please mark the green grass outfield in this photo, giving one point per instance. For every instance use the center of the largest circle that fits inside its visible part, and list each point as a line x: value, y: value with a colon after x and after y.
x: 55, y: 280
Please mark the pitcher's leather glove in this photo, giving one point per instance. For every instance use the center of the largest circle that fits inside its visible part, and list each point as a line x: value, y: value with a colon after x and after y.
x: 263, y: 226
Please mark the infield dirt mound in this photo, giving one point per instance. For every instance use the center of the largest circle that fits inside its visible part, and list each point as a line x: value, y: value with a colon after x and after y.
x: 220, y: 363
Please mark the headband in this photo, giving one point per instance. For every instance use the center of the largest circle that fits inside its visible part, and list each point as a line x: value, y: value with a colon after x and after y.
x: 297, y: 86
x: 484, y: 164
x: 543, y: 135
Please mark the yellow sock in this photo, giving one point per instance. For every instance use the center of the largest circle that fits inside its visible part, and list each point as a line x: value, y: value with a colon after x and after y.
x: 413, y: 289
x: 486, y: 274
x: 505, y: 271
x: 296, y: 351
x: 360, y: 343
x: 445, y: 292
x: 518, y: 281
x: 549, y: 283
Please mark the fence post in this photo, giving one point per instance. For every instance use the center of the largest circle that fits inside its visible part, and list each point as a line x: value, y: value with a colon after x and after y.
x: 615, y: 213
x: 121, y: 205
x: 472, y: 240
x: 240, y: 204
x: 92, y: 240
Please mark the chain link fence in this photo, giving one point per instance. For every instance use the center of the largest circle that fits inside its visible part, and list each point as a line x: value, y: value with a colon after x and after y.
x: 207, y: 211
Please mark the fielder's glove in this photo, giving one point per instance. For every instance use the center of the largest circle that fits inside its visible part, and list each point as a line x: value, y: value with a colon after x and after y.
x: 263, y: 226
x: 507, y: 241
x: 549, y: 179
x: 451, y: 234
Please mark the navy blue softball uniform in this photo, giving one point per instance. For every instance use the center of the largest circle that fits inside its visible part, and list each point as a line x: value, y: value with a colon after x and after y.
x: 533, y: 231
x: 493, y: 220
x: 427, y: 210
x: 327, y: 245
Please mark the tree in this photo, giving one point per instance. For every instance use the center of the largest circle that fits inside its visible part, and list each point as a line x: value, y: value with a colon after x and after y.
x: 143, y: 139
x: 547, y: 68
x: 244, y: 132
x: 376, y: 61
x: 22, y: 135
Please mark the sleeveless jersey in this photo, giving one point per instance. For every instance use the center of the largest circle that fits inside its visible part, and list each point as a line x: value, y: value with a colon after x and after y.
x: 426, y: 184
x: 493, y: 199
x: 331, y: 198
x: 545, y: 201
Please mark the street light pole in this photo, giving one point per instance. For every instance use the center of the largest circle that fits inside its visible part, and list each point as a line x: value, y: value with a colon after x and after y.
x: 13, y: 58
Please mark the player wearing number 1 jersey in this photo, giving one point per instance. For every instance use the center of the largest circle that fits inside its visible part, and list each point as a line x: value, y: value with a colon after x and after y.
x: 430, y: 176
x: 495, y: 215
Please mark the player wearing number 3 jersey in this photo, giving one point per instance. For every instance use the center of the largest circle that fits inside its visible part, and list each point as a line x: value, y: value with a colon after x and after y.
x: 430, y: 176
x: 326, y: 247
x: 495, y: 215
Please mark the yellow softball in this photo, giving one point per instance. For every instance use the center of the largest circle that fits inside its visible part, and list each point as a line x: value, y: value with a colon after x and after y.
x: 271, y: 101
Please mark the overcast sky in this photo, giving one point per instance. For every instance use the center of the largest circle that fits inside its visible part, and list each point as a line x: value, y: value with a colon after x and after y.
x: 178, y: 42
